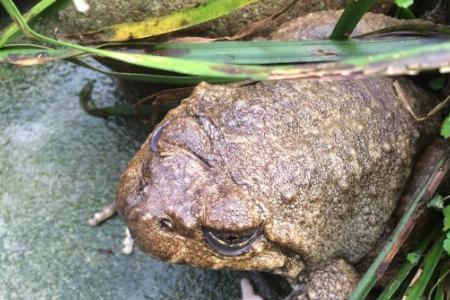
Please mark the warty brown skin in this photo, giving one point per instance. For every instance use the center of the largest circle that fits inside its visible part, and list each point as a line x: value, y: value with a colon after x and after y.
x: 317, y: 167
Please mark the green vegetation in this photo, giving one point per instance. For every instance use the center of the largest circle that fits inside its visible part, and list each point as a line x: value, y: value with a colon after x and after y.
x: 424, y: 271
x: 432, y: 56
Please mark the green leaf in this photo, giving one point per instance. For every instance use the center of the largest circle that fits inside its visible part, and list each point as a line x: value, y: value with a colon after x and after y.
x: 253, y: 52
x: 413, y: 257
x: 155, y: 78
x: 445, y: 129
x: 437, y: 202
x: 404, y: 3
x: 410, y: 61
x: 282, y: 52
x: 446, y: 244
x: 446, y: 212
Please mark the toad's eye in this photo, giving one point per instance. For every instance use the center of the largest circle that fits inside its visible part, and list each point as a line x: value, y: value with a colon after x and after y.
x: 165, y: 224
x: 231, y: 243
x: 156, y: 135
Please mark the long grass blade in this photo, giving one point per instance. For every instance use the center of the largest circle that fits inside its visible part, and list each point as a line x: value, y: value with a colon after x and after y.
x: 180, y: 80
x: 258, y: 52
x: 410, y: 61
x: 152, y: 26
x: 283, y: 52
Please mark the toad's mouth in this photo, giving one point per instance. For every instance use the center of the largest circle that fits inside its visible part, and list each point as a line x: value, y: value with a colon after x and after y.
x: 231, y: 243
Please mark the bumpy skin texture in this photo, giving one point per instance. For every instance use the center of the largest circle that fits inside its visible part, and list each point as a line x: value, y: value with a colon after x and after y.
x: 315, y: 167
x: 108, y: 12
x: 333, y: 281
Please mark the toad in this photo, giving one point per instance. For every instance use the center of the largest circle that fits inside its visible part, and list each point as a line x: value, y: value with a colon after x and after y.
x: 293, y: 177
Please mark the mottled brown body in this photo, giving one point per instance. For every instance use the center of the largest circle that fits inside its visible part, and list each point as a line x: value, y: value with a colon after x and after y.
x: 314, y: 169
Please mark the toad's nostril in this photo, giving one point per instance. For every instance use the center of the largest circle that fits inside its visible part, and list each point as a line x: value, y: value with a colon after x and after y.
x: 231, y: 243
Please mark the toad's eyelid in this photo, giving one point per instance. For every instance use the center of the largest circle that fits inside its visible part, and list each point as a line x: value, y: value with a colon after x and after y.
x: 156, y: 135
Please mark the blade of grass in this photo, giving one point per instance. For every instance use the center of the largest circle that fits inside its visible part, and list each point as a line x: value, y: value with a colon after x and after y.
x: 7, y: 33
x: 369, y: 279
x: 352, y: 14
x: 152, y: 26
x: 408, y: 266
x: 258, y: 52
x: 430, y: 263
x: 411, y: 61
x: 151, y: 61
x: 11, y: 30
x: 48, y: 55
x: 282, y: 52
x: 424, y: 28
x: 152, y: 78
x: 124, y: 110
x: 33, y: 56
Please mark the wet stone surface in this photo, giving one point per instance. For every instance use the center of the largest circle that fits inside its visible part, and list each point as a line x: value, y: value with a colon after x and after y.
x: 58, y: 166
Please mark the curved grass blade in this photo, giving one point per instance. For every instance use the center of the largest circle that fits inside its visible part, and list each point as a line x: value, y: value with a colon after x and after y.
x: 11, y: 30
x: 29, y: 54
x: 152, y: 26
x: 438, y: 287
x: 119, y: 110
x: 424, y: 28
x: 352, y: 14
x: 181, y: 80
x: 125, y: 110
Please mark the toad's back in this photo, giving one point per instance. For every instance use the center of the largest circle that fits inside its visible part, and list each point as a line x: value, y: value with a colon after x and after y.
x: 328, y: 163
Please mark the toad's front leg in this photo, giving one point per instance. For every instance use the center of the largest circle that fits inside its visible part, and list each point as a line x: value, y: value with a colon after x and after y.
x: 334, y: 281
x: 106, y: 213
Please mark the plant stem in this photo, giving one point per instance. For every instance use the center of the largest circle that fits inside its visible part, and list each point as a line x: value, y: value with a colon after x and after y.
x: 353, y: 12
